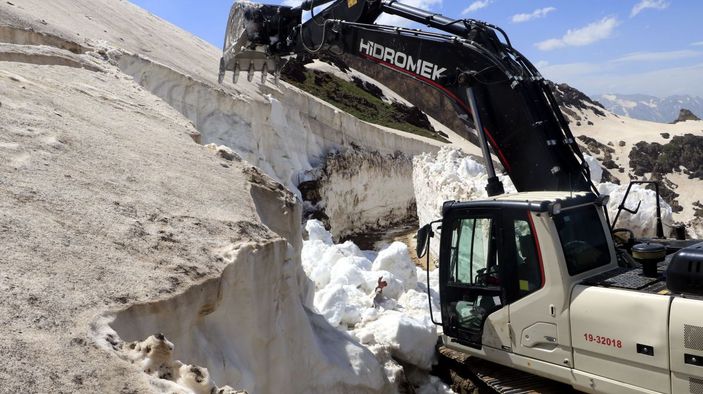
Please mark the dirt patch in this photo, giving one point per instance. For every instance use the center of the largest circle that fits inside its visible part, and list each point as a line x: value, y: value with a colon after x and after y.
x: 360, y: 99
x: 13, y: 35
x: 682, y: 151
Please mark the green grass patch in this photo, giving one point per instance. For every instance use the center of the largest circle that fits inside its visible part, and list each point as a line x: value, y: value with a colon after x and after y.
x: 356, y: 101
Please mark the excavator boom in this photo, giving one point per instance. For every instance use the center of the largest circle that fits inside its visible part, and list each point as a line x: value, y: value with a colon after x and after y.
x: 490, y: 83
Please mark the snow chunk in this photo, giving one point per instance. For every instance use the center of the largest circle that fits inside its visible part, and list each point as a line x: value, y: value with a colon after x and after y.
x: 349, y: 271
x: 392, y: 321
x: 341, y: 304
x: 396, y: 260
x: 154, y: 356
x: 434, y: 386
x: 317, y: 232
x: 644, y: 222
x: 410, y: 339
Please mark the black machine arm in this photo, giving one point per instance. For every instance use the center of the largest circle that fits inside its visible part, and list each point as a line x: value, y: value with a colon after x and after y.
x: 479, y: 72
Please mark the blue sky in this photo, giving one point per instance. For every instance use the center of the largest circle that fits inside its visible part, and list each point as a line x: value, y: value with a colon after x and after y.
x: 599, y: 46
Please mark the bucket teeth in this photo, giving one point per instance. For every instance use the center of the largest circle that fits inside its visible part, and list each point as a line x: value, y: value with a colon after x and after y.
x: 235, y: 76
x: 263, y: 66
x: 221, y: 74
x: 264, y: 73
x: 250, y: 73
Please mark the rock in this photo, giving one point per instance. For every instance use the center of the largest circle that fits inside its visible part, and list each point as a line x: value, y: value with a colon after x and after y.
x: 621, y: 143
x: 368, y: 87
x: 610, y: 164
x: 665, y: 135
x: 412, y: 115
x: 567, y: 96
x: 685, y: 115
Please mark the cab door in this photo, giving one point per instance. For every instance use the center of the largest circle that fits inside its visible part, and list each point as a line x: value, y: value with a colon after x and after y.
x: 539, y: 318
x: 471, y: 273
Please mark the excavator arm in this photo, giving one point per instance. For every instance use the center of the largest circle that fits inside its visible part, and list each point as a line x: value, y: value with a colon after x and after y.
x: 493, y: 87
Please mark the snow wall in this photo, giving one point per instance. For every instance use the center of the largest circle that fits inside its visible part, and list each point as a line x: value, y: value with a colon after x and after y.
x: 363, y: 190
x: 289, y: 134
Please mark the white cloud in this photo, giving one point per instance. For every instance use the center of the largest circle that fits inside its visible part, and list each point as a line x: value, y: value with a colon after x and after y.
x: 645, y: 4
x: 395, y: 20
x: 698, y: 44
x: 536, y: 14
x: 657, y: 56
x: 570, y: 71
x: 476, y: 5
x: 292, y: 3
x: 586, y: 35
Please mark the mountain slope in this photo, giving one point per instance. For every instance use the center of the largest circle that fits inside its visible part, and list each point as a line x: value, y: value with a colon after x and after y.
x: 650, y: 108
x: 633, y: 149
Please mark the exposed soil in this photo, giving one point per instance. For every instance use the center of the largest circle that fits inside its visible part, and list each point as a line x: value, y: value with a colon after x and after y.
x: 359, y: 98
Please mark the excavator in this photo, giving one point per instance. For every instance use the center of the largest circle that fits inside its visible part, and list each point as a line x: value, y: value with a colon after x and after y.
x: 538, y: 282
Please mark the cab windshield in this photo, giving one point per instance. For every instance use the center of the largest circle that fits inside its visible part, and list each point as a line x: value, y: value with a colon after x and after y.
x: 582, y: 239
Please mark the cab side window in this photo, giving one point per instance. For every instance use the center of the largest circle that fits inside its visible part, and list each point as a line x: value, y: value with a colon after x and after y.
x: 472, y: 262
x: 529, y: 268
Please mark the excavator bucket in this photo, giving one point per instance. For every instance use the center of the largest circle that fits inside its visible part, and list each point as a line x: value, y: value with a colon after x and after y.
x: 256, y: 38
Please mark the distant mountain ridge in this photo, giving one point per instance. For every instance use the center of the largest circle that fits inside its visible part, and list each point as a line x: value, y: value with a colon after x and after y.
x: 654, y: 109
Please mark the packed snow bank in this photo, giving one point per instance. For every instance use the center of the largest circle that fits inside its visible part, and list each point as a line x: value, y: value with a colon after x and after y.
x: 448, y: 175
x: 379, y: 298
x: 644, y: 222
x: 244, y: 325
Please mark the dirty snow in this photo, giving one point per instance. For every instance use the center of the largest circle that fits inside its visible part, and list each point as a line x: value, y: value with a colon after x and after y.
x: 154, y: 356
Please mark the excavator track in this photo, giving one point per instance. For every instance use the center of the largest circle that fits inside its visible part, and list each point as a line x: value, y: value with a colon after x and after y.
x: 470, y: 375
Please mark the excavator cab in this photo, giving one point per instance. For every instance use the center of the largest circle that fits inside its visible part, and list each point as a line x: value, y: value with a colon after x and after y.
x: 488, y: 259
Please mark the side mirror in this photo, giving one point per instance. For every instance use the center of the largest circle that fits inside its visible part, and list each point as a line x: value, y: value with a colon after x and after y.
x: 423, y: 237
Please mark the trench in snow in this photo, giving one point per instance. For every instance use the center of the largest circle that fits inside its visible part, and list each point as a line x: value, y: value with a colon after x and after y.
x: 244, y: 325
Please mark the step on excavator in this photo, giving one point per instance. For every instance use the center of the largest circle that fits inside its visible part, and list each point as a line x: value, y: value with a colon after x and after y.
x: 539, y: 291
